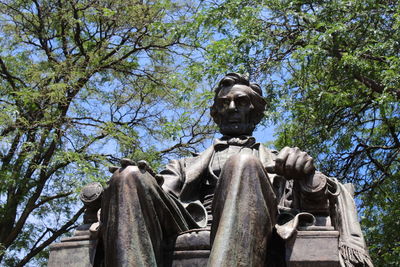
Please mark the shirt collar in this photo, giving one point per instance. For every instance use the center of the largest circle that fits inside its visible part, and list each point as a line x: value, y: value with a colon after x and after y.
x: 243, y: 140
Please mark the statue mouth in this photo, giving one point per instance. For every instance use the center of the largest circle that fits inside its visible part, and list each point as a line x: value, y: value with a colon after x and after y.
x: 234, y: 120
x: 236, y: 127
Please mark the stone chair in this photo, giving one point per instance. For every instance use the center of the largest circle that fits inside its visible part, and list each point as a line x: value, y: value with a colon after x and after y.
x: 315, y: 245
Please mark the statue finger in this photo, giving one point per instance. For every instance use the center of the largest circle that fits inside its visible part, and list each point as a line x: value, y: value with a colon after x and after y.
x: 301, y: 163
x: 289, y: 169
x: 113, y: 169
x: 127, y: 162
x: 145, y: 166
x: 309, y: 168
x: 271, y: 168
x: 142, y: 164
x: 281, y: 160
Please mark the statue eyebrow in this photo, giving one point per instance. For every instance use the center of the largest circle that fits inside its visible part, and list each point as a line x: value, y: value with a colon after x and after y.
x: 234, y: 97
x: 241, y: 95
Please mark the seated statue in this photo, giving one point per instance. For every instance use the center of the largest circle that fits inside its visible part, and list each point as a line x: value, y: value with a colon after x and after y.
x: 245, y: 193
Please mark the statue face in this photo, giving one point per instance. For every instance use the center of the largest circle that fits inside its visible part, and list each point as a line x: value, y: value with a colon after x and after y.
x: 233, y: 105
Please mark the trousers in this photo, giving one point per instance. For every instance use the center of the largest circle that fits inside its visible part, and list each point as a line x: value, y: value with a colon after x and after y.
x: 138, y: 218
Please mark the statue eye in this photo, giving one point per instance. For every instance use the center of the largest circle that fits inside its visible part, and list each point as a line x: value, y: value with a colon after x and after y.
x: 223, y: 102
x: 242, y: 101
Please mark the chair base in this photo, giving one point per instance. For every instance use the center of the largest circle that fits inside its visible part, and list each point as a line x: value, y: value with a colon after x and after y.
x: 313, y: 249
x: 306, y: 248
x: 77, y: 251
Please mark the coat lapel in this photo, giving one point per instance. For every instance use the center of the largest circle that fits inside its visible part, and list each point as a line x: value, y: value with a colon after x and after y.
x: 196, y: 168
x: 194, y: 171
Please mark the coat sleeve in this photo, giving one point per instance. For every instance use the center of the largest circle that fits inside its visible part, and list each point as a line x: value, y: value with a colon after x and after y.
x: 174, y: 177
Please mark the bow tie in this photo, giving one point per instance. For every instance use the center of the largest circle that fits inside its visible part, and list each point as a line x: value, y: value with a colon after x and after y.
x: 226, y: 141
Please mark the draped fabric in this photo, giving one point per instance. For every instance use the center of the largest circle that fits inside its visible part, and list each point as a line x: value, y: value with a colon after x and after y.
x: 353, y: 251
x: 244, y: 212
x: 139, y: 217
x: 352, y: 247
x: 227, y: 183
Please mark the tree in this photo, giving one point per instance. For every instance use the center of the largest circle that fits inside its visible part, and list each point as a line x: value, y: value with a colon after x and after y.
x: 81, y: 77
x: 77, y: 79
x: 331, y: 69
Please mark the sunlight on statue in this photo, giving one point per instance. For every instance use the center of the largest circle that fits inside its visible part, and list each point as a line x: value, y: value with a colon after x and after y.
x: 245, y: 199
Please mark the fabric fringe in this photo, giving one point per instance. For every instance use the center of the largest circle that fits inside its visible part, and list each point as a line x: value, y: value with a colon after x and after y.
x: 354, y: 258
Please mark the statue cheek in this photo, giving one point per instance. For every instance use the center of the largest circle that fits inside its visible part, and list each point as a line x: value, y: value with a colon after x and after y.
x: 221, y: 117
x: 250, y: 111
x: 246, y: 112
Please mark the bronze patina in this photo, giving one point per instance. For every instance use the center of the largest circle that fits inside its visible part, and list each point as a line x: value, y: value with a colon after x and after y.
x: 248, y: 195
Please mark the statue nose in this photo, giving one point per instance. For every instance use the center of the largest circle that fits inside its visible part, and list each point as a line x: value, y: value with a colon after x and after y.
x: 232, y: 105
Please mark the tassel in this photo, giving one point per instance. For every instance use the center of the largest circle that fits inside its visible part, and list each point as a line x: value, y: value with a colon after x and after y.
x: 353, y: 257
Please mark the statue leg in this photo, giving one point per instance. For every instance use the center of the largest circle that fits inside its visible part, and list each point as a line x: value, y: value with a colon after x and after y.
x: 244, y: 210
x: 137, y: 218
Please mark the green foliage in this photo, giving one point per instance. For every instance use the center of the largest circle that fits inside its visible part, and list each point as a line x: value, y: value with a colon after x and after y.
x: 83, y: 84
x: 332, y: 73
x: 381, y: 223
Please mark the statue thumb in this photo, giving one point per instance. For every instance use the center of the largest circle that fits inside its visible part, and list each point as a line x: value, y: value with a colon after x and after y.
x: 270, y: 168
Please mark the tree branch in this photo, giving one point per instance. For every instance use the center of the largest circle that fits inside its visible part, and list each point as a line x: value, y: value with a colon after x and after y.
x: 53, y: 237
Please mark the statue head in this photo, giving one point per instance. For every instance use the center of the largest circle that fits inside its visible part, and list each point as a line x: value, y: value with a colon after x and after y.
x: 238, y: 105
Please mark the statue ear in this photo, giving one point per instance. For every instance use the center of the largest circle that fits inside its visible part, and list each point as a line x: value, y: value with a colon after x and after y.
x: 213, y: 113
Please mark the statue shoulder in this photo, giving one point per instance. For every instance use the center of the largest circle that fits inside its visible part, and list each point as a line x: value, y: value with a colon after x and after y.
x: 177, y: 171
x: 198, y: 156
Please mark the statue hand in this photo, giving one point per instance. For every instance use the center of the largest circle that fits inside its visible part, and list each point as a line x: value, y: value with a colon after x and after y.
x: 293, y: 163
x: 142, y: 165
x: 124, y: 163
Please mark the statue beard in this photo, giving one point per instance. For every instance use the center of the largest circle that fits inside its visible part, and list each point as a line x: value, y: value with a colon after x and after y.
x: 237, y: 129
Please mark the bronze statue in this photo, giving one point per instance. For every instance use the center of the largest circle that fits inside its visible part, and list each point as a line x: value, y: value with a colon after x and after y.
x: 246, y: 193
